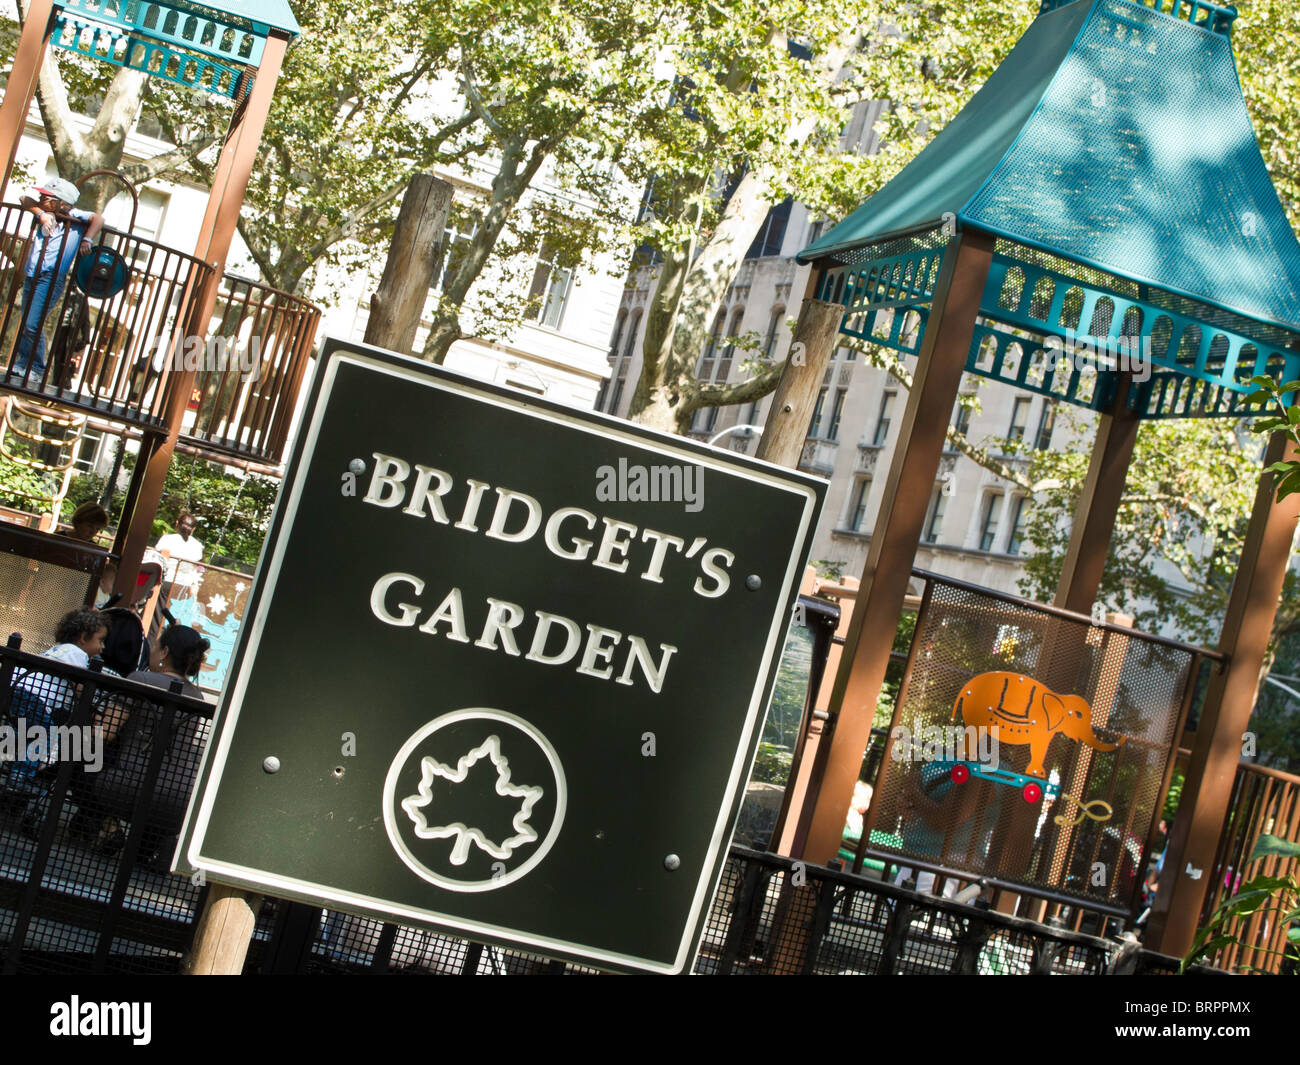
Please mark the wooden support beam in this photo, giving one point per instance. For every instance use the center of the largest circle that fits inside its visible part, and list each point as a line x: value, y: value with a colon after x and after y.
x: 229, y: 183
x: 224, y: 931
x: 897, y: 532
x: 1247, y: 627
x: 23, y: 75
x: 1094, y: 516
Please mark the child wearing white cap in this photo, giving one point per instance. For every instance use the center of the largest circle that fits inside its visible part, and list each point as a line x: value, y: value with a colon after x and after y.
x: 64, y: 233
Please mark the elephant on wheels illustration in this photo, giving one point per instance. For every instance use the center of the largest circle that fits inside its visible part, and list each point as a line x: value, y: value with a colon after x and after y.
x: 1026, y: 711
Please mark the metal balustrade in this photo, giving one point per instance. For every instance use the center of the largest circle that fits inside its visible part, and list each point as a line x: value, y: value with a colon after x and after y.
x: 116, y: 349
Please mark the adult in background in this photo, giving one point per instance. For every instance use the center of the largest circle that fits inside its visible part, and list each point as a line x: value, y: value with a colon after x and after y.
x: 177, y: 656
x: 125, y: 652
x: 182, y: 551
x: 63, y: 233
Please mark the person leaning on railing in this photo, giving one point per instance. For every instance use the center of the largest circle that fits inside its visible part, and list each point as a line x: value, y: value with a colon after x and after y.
x: 63, y: 233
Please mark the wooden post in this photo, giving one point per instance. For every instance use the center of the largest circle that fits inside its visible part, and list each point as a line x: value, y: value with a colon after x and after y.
x: 1094, y: 517
x: 23, y: 75
x: 795, y: 397
x: 224, y: 931
x: 413, y: 258
x: 897, y: 532
x: 230, y: 181
x: 1247, y: 626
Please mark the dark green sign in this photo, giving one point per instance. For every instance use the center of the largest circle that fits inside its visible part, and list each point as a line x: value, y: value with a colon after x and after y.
x: 504, y: 669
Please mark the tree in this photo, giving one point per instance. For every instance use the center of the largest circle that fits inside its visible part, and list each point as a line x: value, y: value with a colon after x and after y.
x: 927, y: 60
x: 118, y: 96
x: 767, y: 116
x: 374, y: 93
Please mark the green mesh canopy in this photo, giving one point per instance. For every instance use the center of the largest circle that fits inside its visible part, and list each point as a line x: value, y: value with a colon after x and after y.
x: 1114, y: 136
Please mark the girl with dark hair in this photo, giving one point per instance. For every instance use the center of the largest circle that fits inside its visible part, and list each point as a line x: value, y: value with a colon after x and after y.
x: 124, y: 647
x: 43, y: 700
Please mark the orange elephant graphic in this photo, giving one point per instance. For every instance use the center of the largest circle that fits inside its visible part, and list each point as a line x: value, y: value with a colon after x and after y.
x: 1025, y: 711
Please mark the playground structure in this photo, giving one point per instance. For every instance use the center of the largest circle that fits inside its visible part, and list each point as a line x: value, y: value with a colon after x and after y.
x: 160, y: 344
x: 1074, y: 233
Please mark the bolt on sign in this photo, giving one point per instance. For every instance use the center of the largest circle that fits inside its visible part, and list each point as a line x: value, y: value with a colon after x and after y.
x: 504, y: 669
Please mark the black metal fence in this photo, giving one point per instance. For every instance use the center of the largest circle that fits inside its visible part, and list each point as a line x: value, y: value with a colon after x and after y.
x: 85, y: 886
x: 95, y: 775
x: 771, y: 916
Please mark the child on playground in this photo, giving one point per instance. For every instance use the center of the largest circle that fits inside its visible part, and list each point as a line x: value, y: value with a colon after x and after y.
x: 44, y: 700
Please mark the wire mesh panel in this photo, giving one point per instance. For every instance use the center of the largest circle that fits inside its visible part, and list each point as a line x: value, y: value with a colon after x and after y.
x: 88, y: 820
x: 1030, y: 747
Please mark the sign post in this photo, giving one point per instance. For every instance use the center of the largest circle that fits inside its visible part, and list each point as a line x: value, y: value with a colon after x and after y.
x: 504, y: 670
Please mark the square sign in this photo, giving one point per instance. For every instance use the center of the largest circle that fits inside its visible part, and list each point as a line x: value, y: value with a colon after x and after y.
x: 504, y: 669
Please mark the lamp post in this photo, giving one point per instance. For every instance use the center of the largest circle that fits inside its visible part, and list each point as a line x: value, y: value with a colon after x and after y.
x: 733, y: 429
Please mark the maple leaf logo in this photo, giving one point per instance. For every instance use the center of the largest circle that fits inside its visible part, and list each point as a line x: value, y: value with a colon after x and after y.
x: 463, y: 834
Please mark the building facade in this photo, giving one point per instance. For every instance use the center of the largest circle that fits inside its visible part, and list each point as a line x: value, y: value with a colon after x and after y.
x: 974, y: 528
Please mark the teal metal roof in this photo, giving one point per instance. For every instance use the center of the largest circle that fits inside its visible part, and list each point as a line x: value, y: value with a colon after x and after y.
x: 199, y: 45
x: 1115, y: 136
x: 271, y: 14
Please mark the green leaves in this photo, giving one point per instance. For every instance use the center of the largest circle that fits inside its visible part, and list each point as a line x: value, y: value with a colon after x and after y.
x: 1287, y: 418
x: 1261, y: 894
x: 1267, y: 845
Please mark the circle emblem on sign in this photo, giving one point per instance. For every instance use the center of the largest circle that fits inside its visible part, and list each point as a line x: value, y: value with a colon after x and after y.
x: 474, y: 799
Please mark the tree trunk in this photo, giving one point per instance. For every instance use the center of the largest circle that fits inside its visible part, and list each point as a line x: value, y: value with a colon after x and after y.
x: 413, y: 257
x: 690, y: 292
x: 796, y: 393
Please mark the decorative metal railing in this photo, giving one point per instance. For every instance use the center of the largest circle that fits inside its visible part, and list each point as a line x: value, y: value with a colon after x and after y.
x: 257, y: 350
x: 117, y: 326
x: 1263, y: 801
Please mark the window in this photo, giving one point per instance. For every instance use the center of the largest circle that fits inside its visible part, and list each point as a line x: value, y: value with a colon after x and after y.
x: 608, y: 383
x: 1019, y: 419
x: 1019, y: 513
x: 148, y: 220
x: 88, y: 452
x: 961, y: 414
x: 769, y: 238
x: 715, y: 371
x: 724, y: 371
x: 886, y: 414
x: 456, y: 238
x: 773, y: 330
x: 550, y: 288
x: 1045, y: 426
x: 934, y: 517
x: 817, y: 413
x: 992, y: 515
x: 619, y: 379
x: 837, y: 412
x: 858, y: 511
